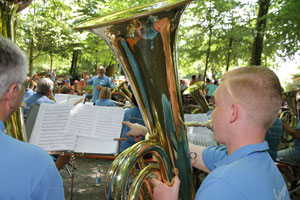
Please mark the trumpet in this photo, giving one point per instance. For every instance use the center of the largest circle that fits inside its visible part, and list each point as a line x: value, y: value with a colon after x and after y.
x: 144, y: 40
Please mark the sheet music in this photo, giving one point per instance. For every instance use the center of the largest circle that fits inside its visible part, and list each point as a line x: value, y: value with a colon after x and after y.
x: 68, y: 98
x: 49, y: 128
x: 95, y: 121
x: 199, y: 135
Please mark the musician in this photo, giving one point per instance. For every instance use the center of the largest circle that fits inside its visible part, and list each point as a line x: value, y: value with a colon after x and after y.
x: 42, y: 95
x: 98, y: 82
x: 26, y: 171
x: 291, y: 155
x: 132, y: 115
x: 242, y: 168
x: 104, y: 98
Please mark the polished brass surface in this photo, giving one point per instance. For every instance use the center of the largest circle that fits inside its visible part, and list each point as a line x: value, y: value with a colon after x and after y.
x: 144, y: 40
x: 207, y: 124
x: 195, y: 91
x: 290, y: 116
x: 121, y: 88
x: 14, y: 125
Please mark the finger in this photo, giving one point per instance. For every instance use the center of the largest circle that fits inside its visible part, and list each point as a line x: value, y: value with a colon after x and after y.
x: 127, y: 123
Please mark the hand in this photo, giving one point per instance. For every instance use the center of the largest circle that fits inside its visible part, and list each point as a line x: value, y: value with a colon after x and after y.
x: 99, y: 87
x: 136, y: 130
x: 162, y: 191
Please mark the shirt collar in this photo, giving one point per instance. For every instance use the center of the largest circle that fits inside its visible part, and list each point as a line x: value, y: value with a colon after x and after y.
x: 2, y: 127
x: 242, y: 152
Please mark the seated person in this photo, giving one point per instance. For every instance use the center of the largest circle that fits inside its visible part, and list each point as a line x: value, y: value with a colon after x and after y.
x: 273, y: 137
x: 132, y: 115
x: 42, y: 95
x: 290, y: 155
x: 104, y: 98
x: 29, y: 90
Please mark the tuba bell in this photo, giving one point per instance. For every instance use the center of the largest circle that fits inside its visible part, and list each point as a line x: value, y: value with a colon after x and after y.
x: 144, y: 40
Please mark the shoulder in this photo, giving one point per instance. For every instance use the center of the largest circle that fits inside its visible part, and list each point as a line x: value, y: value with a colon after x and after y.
x: 44, y: 99
x: 213, y: 154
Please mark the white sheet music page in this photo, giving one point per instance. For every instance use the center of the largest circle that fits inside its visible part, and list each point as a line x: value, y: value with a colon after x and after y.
x: 49, y: 128
x: 97, y: 124
x: 199, y: 135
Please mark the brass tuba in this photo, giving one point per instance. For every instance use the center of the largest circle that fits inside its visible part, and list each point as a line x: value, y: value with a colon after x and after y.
x: 144, y: 40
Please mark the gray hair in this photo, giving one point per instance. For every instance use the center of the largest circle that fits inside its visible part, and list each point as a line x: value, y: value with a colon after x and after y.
x: 13, y: 65
x: 44, y: 85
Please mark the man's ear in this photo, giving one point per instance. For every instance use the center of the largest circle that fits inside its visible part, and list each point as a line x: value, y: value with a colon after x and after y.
x: 234, y: 112
x: 10, y: 95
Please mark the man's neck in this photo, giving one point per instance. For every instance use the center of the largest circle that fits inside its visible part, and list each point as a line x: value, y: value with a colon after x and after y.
x: 100, y: 75
x: 247, y: 137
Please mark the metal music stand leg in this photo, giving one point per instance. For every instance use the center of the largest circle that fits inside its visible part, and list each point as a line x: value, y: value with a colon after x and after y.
x: 73, y: 174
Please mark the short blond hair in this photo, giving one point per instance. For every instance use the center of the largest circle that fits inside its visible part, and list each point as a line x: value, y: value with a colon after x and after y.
x: 105, y: 93
x: 258, y: 90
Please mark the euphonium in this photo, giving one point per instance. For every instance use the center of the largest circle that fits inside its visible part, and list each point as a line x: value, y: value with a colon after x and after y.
x: 290, y: 116
x: 121, y: 88
x: 144, y: 40
x: 195, y: 91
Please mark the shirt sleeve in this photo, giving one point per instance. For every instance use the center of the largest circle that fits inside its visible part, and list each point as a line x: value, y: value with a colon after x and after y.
x: 212, y: 155
x: 90, y: 82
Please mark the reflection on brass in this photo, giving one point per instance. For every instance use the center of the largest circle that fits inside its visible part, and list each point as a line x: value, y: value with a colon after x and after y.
x: 144, y: 40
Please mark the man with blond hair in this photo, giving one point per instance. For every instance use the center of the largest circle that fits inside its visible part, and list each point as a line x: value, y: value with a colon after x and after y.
x: 246, y: 104
x: 26, y: 171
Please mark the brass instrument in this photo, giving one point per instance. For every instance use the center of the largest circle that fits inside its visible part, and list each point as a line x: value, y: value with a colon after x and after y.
x: 290, y: 116
x: 207, y: 124
x: 123, y: 90
x: 197, y: 94
x: 15, y: 123
x: 144, y: 40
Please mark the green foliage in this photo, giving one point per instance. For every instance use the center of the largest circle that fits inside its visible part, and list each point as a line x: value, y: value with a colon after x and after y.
x: 45, y: 30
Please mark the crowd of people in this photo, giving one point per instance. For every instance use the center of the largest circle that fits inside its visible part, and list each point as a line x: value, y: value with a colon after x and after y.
x: 246, y: 105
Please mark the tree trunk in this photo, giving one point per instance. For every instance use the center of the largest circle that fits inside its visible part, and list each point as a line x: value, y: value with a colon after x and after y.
x: 260, y: 32
x: 229, y: 54
x: 208, y: 52
x: 51, y: 61
x: 74, y: 64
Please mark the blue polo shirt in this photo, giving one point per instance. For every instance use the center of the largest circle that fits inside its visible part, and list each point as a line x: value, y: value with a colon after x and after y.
x: 104, y: 102
x: 26, y: 171
x: 247, y: 173
x: 96, y: 81
x: 36, y: 98
x: 133, y: 115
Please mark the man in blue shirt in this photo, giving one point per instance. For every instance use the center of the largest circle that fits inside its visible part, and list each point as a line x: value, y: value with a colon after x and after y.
x: 246, y: 104
x: 26, y: 171
x: 43, y: 92
x: 132, y: 115
x: 98, y: 82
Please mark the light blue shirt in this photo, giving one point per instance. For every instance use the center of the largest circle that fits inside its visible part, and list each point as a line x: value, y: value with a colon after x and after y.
x: 248, y: 173
x: 26, y: 171
x: 104, y: 102
x: 96, y: 81
x: 132, y: 115
x: 36, y: 98
x: 211, y: 89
